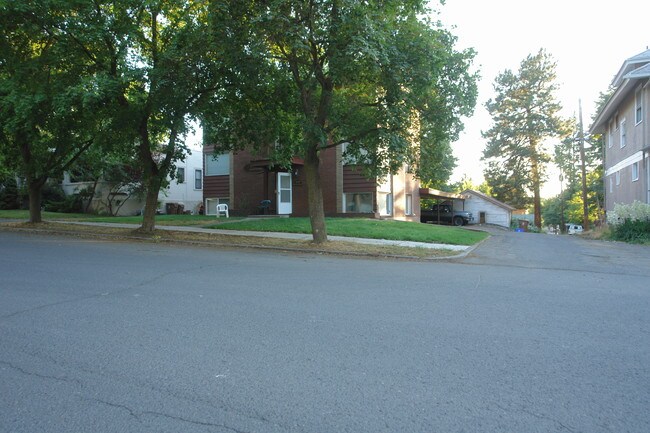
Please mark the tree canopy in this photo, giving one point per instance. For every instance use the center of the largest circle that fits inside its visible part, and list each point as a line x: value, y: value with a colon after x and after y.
x: 49, y: 111
x: 313, y: 75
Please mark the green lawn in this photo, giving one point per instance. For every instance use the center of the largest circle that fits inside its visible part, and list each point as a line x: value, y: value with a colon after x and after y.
x: 351, y: 227
x: 24, y: 215
x: 176, y: 220
x: 365, y: 228
x: 168, y: 220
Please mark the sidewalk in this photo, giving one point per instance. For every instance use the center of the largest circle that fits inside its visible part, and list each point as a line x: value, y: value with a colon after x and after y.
x: 296, y: 236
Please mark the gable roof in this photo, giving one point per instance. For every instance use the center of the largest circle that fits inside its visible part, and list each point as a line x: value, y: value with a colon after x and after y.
x: 471, y: 192
x: 633, y: 69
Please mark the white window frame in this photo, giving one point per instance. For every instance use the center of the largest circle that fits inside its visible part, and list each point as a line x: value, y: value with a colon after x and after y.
x: 638, y: 106
x: 200, y: 178
x: 611, y: 184
x: 180, y: 178
x: 635, y: 171
x: 345, y: 201
x: 618, y: 178
x: 610, y: 134
x: 385, y: 203
x: 623, y: 134
x: 408, y: 204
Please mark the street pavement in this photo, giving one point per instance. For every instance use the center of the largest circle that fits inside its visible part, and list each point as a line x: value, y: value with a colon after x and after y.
x: 526, y: 333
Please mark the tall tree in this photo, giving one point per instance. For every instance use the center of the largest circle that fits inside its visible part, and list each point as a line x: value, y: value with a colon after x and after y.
x: 525, y: 115
x: 49, y: 110
x: 157, y: 68
x: 306, y: 76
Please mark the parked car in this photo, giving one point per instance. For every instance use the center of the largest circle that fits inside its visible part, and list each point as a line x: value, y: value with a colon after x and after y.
x: 446, y: 215
x: 573, y: 229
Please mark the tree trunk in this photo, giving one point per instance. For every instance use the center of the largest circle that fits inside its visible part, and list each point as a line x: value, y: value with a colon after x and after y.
x: 35, y: 188
x: 150, y: 206
x: 315, y: 197
x: 537, y: 201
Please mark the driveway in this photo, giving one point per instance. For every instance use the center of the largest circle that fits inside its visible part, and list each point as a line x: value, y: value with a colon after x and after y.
x: 560, y: 252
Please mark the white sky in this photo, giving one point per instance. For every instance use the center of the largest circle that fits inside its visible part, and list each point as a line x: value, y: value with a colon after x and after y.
x: 589, y: 39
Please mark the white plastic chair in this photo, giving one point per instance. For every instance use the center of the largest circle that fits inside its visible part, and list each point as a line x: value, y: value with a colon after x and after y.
x: 222, y: 209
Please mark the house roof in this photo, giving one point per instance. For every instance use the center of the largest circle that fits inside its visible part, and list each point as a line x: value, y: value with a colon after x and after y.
x: 633, y: 69
x: 434, y: 193
x: 470, y: 192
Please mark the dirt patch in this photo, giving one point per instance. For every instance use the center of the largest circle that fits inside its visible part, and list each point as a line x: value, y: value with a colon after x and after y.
x: 216, y: 240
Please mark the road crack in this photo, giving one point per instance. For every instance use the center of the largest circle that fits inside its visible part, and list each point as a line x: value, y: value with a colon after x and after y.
x: 139, y: 414
x: 40, y: 376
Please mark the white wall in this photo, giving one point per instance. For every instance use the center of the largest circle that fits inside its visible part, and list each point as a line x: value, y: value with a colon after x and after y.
x: 185, y: 193
x: 493, y: 214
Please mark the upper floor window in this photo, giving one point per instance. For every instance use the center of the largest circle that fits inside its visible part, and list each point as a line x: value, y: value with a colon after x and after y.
x: 610, y: 134
x: 623, y: 134
x: 638, y: 106
x: 353, y: 158
x: 216, y: 165
x: 198, y: 179
x: 180, y: 175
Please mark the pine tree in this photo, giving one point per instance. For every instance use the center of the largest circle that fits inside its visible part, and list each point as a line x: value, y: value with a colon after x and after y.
x: 525, y: 114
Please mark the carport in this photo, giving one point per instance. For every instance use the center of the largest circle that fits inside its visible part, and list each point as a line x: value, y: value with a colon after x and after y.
x: 457, y: 201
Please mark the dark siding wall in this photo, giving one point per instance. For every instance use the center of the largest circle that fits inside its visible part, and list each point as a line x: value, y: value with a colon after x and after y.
x: 251, y: 185
x: 216, y: 186
x: 354, y: 181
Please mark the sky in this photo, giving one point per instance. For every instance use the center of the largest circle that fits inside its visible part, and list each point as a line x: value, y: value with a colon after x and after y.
x: 589, y: 40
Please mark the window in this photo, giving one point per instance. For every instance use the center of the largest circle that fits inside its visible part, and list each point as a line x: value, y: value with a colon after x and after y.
x: 638, y: 106
x: 385, y: 203
x: 211, y: 204
x: 350, y: 159
x: 198, y: 179
x: 611, y: 184
x: 408, y: 208
x: 357, y: 202
x: 180, y: 175
x: 623, y: 134
x: 618, y: 178
x: 217, y: 165
x: 635, y: 171
x: 610, y: 134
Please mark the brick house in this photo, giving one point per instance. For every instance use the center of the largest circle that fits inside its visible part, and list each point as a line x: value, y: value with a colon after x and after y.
x: 243, y: 180
x: 624, y: 123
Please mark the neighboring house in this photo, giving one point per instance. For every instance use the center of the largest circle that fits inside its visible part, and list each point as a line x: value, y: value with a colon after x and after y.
x: 185, y: 189
x: 486, y: 209
x: 624, y: 123
x: 243, y: 181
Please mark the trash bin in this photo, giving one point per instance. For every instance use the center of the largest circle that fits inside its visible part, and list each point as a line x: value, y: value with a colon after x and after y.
x: 171, y: 208
x: 523, y: 225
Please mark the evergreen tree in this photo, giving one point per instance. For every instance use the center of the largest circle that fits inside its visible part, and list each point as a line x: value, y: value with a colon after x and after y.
x: 525, y: 115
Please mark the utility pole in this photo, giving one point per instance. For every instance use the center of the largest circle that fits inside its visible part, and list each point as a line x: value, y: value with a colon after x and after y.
x: 585, y: 207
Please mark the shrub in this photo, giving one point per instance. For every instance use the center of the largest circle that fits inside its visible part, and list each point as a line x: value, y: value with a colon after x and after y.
x: 9, y: 194
x: 630, y: 222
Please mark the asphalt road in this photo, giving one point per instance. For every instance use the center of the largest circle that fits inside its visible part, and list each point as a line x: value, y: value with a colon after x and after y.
x: 529, y: 333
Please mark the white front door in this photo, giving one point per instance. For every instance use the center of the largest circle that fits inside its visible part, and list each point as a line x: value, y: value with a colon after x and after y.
x: 284, y: 194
